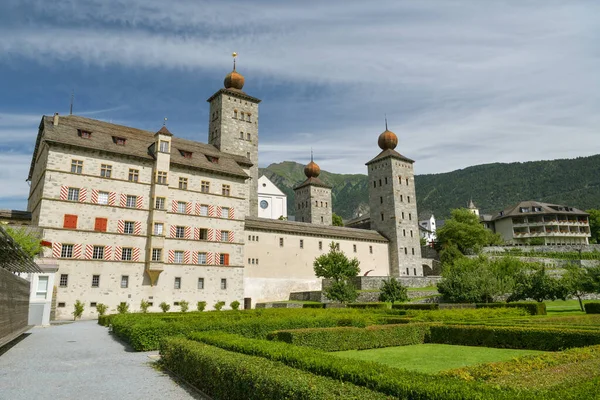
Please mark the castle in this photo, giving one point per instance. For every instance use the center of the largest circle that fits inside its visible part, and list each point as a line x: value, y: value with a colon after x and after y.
x: 135, y: 215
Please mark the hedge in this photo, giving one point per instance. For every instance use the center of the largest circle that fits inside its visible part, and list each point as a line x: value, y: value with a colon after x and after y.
x: 339, y: 339
x: 223, y: 374
x: 592, y: 308
x: 424, y: 306
x: 512, y: 337
x: 533, y: 308
x: 384, y: 306
x: 312, y: 305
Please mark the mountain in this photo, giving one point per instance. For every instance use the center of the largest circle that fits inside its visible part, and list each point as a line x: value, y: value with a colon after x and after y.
x: 492, y: 187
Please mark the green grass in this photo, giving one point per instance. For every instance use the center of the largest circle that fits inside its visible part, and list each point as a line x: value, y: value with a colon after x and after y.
x: 433, y: 358
x: 563, y: 307
x: 423, y: 289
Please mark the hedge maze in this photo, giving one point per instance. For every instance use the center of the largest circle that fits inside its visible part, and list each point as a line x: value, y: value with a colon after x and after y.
x: 290, y: 353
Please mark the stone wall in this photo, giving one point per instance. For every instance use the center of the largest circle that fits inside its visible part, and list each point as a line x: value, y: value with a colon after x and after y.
x: 555, y: 248
x: 374, y: 282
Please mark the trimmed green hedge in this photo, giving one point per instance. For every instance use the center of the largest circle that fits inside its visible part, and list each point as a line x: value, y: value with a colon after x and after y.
x: 592, y: 308
x: 227, y: 375
x: 511, y: 337
x: 424, y: 306
x: 532, y: 307
x: 104, y: 320
x: 384, y: 306
x: 339, y: 339
x: 312, y: 305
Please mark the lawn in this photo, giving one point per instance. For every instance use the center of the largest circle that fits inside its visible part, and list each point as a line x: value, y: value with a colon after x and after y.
x: 433, y: 358
x: 563, y: 307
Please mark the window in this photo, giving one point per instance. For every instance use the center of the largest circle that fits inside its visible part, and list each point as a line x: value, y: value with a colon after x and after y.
x: 128, y: 227
x: 102, y: 197
x: 386, y: 180
x: 158, y: 228
x: 178, y: 259
x: 177, y: 284
x: 98, y: 253
x: 407, y: 181
x: 402, y: 214
x: 159, y: 203
x: 203, y: 234
x: 225, y: 236
x: 84, y: 134
x: 413, y: 251
x: 234, y: 113
x: 354, y: 247
x: 214, y: 160
x: 156, y: 254
x: 64, y: 280
x: 126, y: 254
x: 205, y: 186
x: 73, y: 194
x: 42, y: 287
x: 164, y: 146
x: 61, y: 304
x: 66, y: 251
x: 403, y: 232
x: 100, y: 224
x: 408, y: 199
x: 280, y: 242
x: 321, y: 219
x: 374, y: 183
x: 301, y: 243
x: 370, y: 249
x: 380, y: 182
x: 186, y: 154
x: 401, y: 198
x: 415, y: 271
x: 95, y: 280
x: 202, y: 258
x: 120, y: 141
x: 320, y: 245
x: 248, y: 118
x: 407, y: 271
x: 200, y: 283
x: 225, y: 212
x: 93, y: 304
x: 124, y: 281
x: 411, y: 233
x: 76, y: 166
x: 406, y: 250
x: 226, y: 190
x: 248, y: 134
x: 181, y: 207
x: 161, y: 177
x: 105, y: 170
x: 134, y: 174
x: 242, y: 135
x: 409, y: 216
x: 382, y: 216
x: 316, y: 203
x: 224, y: 259
x: 183, y: 182
x: 204, y: 210
x: 180, y: 232
x: 223, y: 284
x: 380, y: 200
x: 70, y: 221
x: 131, y: 201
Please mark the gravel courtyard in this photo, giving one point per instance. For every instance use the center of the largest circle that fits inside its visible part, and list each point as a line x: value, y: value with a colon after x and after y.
x: 82, y: 361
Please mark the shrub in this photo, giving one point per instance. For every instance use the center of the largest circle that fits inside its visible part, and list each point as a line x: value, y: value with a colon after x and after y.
x: 184, y: 305
x: 104, y: 320
x: 227, y: 375
x: 77, y: 309
x: 164, y: 306
x: 235, y: 305
x: 592, y: 308
x: 313, y: 305
x: 426, y: 306
x: 393, y: 291
x: 144, y: 305
x: 123, y: 308
x: 339, y: 339
x: 368, y: 305
x: 219, y: 305
x: 533, y: 308
x: 464, y: 315
x: 201, y: 305
x: 101, y: 308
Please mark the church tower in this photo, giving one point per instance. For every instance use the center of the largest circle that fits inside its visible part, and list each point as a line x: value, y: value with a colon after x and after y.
x: 233, y: 128
x: 473, y: 208
x: 393, y: 206
x: 313, y: 197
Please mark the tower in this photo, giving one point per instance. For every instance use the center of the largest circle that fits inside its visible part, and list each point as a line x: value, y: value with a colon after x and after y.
x: 233, y: 128
x: 393, y: 206
x: 313, y: 197
x: 473, y: 208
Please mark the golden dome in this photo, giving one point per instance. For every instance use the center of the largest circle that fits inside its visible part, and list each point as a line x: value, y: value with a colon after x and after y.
x: 312, y: 170
x: 234, y: 80
x: 387, y: 140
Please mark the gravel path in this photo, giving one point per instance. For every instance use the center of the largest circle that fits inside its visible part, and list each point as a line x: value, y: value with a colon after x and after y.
x: 82, y: 361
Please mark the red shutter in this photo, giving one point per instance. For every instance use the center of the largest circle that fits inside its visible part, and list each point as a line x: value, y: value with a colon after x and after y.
x: 100, y: 225
x: 225, y: 259
x: 70, y: 221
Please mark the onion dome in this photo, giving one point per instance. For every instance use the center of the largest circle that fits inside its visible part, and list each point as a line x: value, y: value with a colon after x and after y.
x: 312, y: 170
x: 387, y: 140
x: 234, y: 80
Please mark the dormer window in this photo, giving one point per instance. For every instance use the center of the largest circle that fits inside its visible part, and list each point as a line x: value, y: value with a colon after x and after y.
x: 119, y: 140
x: 214, y: 160
x: 524, y: 209
x: 164, y: 146
x: 186, y: 154
x: 84, y: 134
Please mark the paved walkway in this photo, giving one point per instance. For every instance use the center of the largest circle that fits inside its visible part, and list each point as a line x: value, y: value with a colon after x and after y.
x: 82, y: 361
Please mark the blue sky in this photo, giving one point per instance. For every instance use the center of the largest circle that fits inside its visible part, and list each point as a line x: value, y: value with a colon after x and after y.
x: 462, y: 82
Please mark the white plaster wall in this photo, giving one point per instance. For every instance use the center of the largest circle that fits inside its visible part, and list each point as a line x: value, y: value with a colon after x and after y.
x: 277, y: 289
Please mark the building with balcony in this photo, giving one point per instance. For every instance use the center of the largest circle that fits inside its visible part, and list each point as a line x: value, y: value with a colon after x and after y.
x: 532, y: 222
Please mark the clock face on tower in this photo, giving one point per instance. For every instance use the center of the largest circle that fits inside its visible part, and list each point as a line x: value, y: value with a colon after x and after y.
x: 264, y: 204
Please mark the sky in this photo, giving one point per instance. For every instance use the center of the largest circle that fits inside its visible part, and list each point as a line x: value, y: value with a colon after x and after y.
x: 461, y: 82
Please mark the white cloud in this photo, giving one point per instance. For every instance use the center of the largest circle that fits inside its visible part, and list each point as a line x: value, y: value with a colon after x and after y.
x: 14, y: 171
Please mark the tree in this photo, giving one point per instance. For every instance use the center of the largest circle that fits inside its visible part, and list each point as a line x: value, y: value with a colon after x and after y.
x: 201, y: 305
x: 393, y: 291
x: 27, y: 239
x: 336, y: 266
x: 423, y: 242
x: 78, y: 309
x: 578, y: 281
x: 594, y: 225
x: 218, y: 305
x: 164, y: 306
x: 144, y: 305
x: 101, y: 308
x: 123, y: 308
x: 184, y: 306
x: 464, y: 231
x: 536, y: 284
x: 337, y: 220
x: 235, y: 305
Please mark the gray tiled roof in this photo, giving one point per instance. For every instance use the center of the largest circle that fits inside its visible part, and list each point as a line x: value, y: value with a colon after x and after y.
x: 390, y: 153
x: 303, y: 228
x: 314, y: 182
x: 546, y: 208
x: 137, y: 143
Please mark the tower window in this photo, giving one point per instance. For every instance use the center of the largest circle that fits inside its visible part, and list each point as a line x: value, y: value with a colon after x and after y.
x: 404, y: 232
x: 407, y: 271
x: 413, y: 251
x: 380, y: 200
x: 415, y: 271
x: 234, y: 113
x: 354, y: 247
x: 322, y: 219
x: 301, y: 243
x: 406, y: 181
x: 248, y: 118
x: 248, y: 137
x: 280, y: 242
x: 374, y: 183
x: 370, y: 249
x: 406, y: 250
x: 409, y: 217
x: 316, y: 203
x: 402, y: 214
x: 380, y: 182
x: 400, y: 180
x: 382, y: 216
x: 320, y: 245
x: 401, y: 198
x: 386, y: 180
x: 411, y: 233
x: 242, y: 135
x: 164, y: 146
x: 408, y: 198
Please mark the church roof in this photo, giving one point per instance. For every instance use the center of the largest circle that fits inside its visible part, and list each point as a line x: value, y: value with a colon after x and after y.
x: 313, y: 181
x: 137, y: 142
x: 389, y: 153
x: 303, y: 228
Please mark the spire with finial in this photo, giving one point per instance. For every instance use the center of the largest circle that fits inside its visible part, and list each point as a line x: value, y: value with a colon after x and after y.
x: 386, y: 128
x: 388, y: 139
x: 165, y: 121
x: 312, y: 170
x: 234, y: 80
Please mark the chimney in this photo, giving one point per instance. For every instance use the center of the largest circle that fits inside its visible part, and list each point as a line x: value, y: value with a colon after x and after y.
x: 55, y: 120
